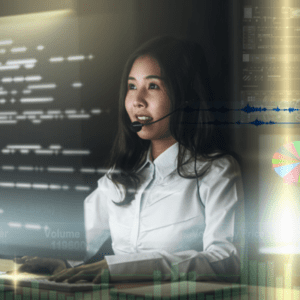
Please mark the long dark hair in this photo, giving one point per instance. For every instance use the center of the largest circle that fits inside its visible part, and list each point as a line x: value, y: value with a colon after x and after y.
x: 184, y: 67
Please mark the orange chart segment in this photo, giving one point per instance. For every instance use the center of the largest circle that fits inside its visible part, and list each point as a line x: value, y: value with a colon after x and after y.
x: 278, y: 155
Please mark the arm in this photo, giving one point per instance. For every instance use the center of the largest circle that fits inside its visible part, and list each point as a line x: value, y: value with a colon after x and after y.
x: 98, y: 239
x: 96, y: 223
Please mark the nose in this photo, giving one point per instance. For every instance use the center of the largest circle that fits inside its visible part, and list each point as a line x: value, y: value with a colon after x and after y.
x: 140, y: 99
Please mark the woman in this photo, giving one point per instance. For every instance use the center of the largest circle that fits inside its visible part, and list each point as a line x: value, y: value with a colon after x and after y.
x: 173, y: 199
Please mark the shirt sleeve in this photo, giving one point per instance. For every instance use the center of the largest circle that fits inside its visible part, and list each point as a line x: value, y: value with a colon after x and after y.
x: 97, y: 230
x: 221, y: 193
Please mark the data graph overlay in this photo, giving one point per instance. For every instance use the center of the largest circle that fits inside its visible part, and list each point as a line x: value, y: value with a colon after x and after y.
x: 58, y: 120
x: 279, y: 206
x: 286, y: 162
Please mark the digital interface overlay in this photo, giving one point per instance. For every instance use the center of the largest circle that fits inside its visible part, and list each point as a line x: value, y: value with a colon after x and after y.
x: 58, y: 111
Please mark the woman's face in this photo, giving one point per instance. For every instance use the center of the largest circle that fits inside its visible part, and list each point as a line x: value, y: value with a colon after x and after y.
x: 147, y: 100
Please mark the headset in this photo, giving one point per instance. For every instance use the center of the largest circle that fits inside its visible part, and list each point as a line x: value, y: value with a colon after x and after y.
x: 193, y: 99
x: 190, y: 105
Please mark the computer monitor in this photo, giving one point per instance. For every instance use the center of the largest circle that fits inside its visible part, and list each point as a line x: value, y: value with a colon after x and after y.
x: 59, y: 79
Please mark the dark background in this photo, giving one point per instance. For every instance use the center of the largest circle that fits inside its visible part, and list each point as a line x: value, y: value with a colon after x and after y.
x: 216, y: 25
x: 207, y: 22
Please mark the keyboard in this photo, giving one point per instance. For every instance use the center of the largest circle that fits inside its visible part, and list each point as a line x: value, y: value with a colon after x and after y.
x: 41, y: 282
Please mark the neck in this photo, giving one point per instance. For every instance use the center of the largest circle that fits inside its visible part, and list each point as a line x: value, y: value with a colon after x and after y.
x: 159, y: 146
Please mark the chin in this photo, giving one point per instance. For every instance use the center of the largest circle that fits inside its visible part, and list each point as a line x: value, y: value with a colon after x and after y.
x: 145, y: 136
x: 155, y: 133
x: 160, y: 136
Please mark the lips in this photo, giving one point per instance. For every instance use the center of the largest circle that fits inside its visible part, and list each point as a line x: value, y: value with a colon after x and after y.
x: 143, y: 121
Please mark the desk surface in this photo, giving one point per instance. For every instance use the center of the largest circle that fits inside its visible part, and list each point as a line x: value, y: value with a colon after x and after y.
x: 167, y: 290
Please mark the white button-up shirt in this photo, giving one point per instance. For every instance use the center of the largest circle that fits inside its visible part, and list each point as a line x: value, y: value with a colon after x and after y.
x: 173, y: 225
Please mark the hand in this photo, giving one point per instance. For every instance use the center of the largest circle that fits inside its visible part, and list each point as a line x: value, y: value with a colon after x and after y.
x: 40, y: 265
x: 89, y: 272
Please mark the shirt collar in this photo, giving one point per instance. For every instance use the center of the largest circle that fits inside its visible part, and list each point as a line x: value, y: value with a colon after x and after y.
x: 165, y: 163
x: 148, y: 160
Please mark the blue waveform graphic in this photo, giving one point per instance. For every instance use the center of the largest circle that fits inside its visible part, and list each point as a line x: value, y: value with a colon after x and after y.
x: 255, y: 123
x: 250, y: 109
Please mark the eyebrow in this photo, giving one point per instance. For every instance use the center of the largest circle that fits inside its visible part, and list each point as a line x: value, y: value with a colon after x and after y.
x: 147, y: 77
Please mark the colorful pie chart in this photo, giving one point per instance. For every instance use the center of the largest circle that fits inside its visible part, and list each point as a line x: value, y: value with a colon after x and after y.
x: 286, y: 162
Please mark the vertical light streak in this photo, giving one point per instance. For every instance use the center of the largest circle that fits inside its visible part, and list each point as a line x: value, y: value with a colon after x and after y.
x: 289, y: 218
x: 288, y: 214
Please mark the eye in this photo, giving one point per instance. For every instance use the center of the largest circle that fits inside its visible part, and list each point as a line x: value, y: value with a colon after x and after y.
x: 153, y: 86
x: 131, y: 86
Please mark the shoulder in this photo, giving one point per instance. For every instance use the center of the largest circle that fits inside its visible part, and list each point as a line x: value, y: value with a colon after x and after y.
x: 223, y: 167
x: 226, y: 163
x: 222, y: 181
x: 106, y: 189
